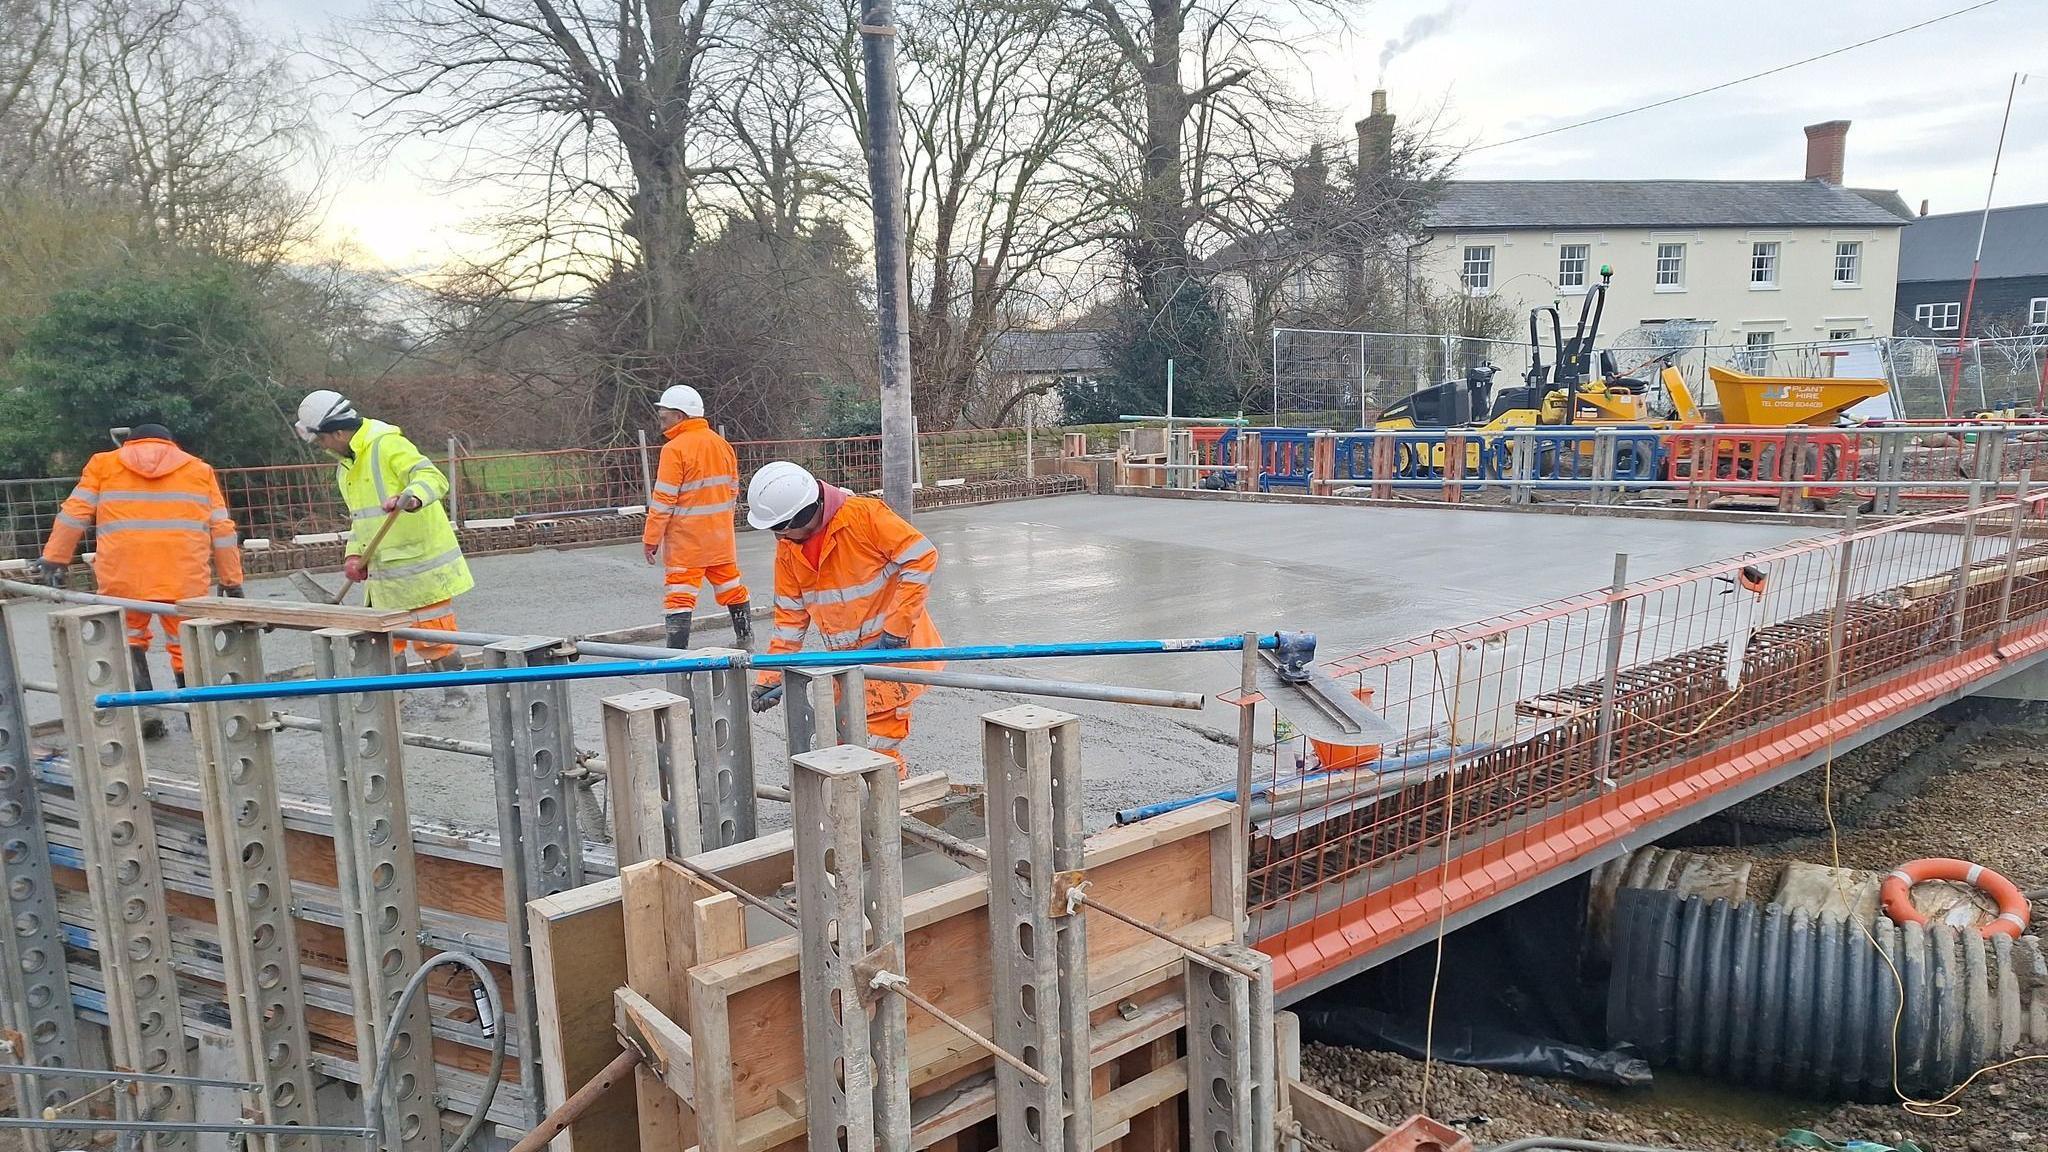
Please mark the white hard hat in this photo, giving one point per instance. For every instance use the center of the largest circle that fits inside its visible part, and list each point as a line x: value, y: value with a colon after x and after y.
x: 319, y: 409
x: 682, y: 398
x: 778, y: 492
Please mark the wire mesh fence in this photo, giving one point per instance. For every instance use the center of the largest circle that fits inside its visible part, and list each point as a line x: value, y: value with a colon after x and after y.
x: 291, y: 501
x: 1520, y: 734
x: 1357, y: 373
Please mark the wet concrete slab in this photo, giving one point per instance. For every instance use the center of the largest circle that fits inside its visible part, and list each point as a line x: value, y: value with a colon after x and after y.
x: 1060, y: 568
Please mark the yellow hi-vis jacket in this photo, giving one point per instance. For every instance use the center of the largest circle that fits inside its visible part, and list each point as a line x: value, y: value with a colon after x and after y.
x: 420, y: 561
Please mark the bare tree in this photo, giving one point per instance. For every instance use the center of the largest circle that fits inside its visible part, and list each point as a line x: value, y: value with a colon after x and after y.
x: 592, y: 113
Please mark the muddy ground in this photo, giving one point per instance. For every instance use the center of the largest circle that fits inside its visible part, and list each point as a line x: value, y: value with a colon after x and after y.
x: 1969, y: 782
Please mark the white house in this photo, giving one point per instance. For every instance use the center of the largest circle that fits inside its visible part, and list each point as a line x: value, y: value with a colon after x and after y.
x: 1756, y: 262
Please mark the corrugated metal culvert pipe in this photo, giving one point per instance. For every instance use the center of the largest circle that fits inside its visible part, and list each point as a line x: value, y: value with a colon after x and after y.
x: 1777, y: 998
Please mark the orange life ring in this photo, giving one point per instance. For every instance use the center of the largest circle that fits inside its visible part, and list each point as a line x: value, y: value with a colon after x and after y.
x: 1896, y: 893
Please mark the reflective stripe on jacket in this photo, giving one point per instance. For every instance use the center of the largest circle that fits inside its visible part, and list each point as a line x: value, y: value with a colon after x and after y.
x: 161, y: 529
x: 689, y: 513
x: 420, y: 561
x: 874, y: 575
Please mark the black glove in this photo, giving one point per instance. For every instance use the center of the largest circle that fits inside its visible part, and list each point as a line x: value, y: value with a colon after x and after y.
x: 50, y: 574
x: 889, y: 640
x: 232, y: 591
x: 766, y: 696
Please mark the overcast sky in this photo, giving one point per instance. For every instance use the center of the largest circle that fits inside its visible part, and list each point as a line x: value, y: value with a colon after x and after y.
x: 1925, y: 106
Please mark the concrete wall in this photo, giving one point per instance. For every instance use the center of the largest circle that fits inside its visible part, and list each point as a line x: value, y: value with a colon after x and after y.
x: 1805, y: 306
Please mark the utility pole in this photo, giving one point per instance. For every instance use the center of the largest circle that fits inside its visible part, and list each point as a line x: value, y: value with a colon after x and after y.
x: 892, y: 251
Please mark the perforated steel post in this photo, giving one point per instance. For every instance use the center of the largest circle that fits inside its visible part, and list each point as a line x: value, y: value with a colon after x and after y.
x: 843, y: 715
x: 849, y: 878
x: 653, y: 772
x: 376, y: 873
x: 259, y: 941
x: 1062, y: 736
x: 723, y: 729
x: 530, y: 743
x: 35, y: 993
x: 145, y: 1029
x: 1016, y: 760
x: 1231, y: 1083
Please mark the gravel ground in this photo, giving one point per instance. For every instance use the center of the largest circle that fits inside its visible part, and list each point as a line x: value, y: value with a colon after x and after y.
x: 1970, y: 782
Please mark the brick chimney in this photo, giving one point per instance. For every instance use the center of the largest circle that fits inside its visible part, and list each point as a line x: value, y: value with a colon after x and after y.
x: 1375, y: 138
x: 1825, y: 144
x: 1311, y: 178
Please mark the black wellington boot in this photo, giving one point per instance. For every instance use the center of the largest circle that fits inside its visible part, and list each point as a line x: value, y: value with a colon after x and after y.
x: 743, y: 627
x: 678, y: 630
x: 152, y: 724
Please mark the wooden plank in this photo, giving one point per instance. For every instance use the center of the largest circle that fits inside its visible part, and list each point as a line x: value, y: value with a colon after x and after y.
x: 1122, y: 1106
x: 299, y: 614
x: 646, y: 890
x: 661, y: 1039
x: 578, y: 941
x: 1332, y: 1120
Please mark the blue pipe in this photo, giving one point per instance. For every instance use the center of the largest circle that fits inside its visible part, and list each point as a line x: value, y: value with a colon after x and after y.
x: 1294, y: 646
x: 1382, y: 765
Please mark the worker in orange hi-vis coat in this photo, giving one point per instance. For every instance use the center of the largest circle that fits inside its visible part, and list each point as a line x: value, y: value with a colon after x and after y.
x: 854, y: 570
x: 689, y: 518
x: 161, y: 532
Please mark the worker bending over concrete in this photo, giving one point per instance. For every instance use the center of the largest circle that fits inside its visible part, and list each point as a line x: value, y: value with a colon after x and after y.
x: 418, y: 564
x: 689, y: 517
x: 857, y: 572
x: 161, y: 532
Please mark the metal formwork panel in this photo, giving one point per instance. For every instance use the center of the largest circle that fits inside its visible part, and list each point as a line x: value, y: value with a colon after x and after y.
x: 849, y: 877
x: 530, y: 744
x: 378, y: 878
x: 145, y: 1030
x: 251, y: 884
x: 35, y: 994
x: 652, y: 769
x: 722, y: 726
x: 1017, y: 764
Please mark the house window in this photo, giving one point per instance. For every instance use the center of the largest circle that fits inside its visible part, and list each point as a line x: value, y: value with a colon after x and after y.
x: 1939, y: 317
x: 1756, y: 353
x: 1671, y: 267
x: 1478, y: 271
x: 2037, y: 312
x: 1841, y: 333
x: 1763, y: 264
x: 1571, y: 264
x: 1848, y: 263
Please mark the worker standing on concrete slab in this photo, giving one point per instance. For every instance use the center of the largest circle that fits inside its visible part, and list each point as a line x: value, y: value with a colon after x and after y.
x: 418, y: 565
x: 857, y: 572
x: 689, y: 517
x: 161, y: 530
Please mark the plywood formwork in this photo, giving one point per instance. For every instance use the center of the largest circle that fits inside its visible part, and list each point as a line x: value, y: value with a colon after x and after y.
x: 721, y: 1016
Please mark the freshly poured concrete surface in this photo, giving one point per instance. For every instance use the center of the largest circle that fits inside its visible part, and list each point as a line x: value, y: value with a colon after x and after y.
x: 1061, y: 568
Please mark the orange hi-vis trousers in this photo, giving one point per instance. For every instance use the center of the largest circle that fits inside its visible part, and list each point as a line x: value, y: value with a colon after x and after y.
x: 681, y: 584
x: 439, y: 615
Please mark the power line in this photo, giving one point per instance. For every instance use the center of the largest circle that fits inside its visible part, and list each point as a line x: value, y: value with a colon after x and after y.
x: 1738, y: 80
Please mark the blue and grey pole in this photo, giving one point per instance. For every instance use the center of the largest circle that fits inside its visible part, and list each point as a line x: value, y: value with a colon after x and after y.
x: 1295, y: 649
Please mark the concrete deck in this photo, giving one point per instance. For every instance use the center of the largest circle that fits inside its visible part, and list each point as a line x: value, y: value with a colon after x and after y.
x: 1059, y: 568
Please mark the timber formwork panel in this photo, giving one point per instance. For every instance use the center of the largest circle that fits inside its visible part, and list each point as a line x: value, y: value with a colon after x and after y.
x: 252, y: 883
x: 377, y: 875
x: 145, y: 1026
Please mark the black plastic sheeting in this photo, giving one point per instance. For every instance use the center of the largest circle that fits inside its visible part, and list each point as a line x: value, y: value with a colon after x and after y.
x: 1511, y: 999
x: 1779, y: 998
